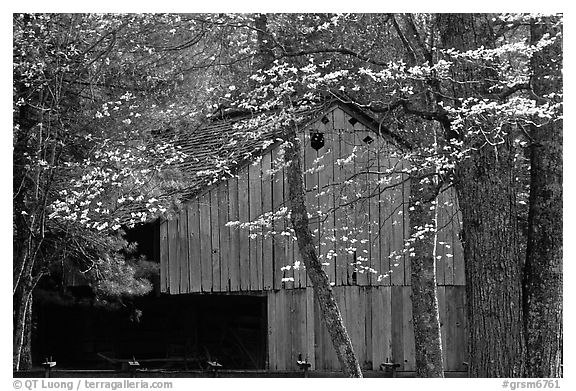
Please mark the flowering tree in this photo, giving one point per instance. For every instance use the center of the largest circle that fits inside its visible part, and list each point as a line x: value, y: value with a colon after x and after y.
x: 473, y: 77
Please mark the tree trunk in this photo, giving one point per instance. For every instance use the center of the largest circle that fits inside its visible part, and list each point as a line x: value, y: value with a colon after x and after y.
x: 485, y: 185
x: 320, y: 282
x: 425, y: 315
x: 543, y: 271
x: 22, y: 354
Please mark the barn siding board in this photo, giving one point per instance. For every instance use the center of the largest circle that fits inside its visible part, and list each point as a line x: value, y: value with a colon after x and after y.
x: 284, y: 336
x: 234, y: 234
x: 397, y: 315
x: 455, y: 337
x: 195, y: 268
x: 205, y: 242
x: 279, y: 241
x: 385, y: 231
x: 183, y: 244
x: 381, y: 326
x: 267, y: 242
x: 326, y: 205
x: 361, y: 208
x: 397, y: 225
x: 173, y: 253
x: 457, y: 251
x: 244, y: 238
x: 215, y: 238
x: 406, y: 221
x: 164, y: 257
x: 441, y: 295
x: 367, y: 309
x: 440, y: 237
x: 407, y: 325
x: 224, y: 239
x: 347, y: 145
x: 355, y: 304
x: 271, y: 332
x: 310, y: 327
x: 255, y: 200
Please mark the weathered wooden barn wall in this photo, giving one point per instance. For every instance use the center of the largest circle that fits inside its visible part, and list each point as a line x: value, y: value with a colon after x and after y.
x: 378, y: 320
x: 199, y: 253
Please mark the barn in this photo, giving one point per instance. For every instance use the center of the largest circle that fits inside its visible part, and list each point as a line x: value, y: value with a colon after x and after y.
x: 247, y: 289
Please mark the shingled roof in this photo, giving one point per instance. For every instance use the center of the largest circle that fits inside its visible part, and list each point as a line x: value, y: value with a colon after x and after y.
x: 218, y: 148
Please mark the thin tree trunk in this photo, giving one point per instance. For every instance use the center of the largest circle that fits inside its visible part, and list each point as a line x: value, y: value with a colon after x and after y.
x: 22, y: 355
x: 543, y: 271
x: 320, y: 282
x: 485, y: 185
x: 425, y: 315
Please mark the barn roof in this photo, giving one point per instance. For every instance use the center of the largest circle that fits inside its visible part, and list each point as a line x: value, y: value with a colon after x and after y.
x: 217, y: 149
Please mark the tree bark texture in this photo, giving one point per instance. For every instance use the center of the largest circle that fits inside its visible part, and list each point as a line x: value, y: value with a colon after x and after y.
x: 425, y: 314
x: 543, y: 270
x: 485, y: 185
x: 320, y: 282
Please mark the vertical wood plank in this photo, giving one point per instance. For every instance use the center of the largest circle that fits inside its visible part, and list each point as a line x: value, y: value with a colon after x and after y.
x: 278, y: 201
x: 194, y: 271
x: 455, y: 333
x: 224, y: 240
x: 215, y: 237
x: 173, y: 252
x: 409, y: 347
x: 234, y: 234
x: 255, y: 180
x: 457, y: 251
x: 374, y: 213
x: 164, y: 256
x: 406, y: 221
x: 439, y: 255
x: 385, y: 201
x: 310, y: 329
x: 319, y: 328
x: 326, y: 205
x: 397, y: 225
x: 348, y: 213
x: 244, y: 238
x: 361, y: 208
x: 382, y: 326
x: 183, y: 251
x: 397, y: 316
x: 272, y: 328
x: 355, y: 305
x: 284, y: 337
x: 441, y: 294
x: 341, y: 271
x: 290, y: 245
x: 205, y: 242
x: 267, y: 242
x: 367, y: 309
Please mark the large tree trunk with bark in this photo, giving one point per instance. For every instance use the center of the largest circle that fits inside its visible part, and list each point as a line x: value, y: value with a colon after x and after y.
x: 425, y: 315
x: 493, y: 260
x: 320, y: 282
x: 485, y: 185
x: 543, y: 271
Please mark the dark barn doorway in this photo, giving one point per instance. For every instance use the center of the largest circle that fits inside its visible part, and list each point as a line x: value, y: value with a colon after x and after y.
x: 166, y: 331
